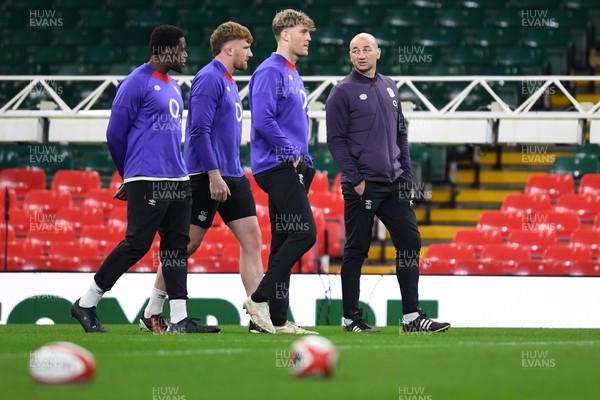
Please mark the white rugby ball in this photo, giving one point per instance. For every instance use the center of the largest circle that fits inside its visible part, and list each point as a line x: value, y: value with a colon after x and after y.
x: 61, y: 363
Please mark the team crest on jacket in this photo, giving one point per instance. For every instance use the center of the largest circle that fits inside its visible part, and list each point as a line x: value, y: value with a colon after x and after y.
x: 391, y: 92
x: 363, y: 96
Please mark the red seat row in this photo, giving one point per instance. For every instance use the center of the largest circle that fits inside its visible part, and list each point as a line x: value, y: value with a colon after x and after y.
x: 586, y: 205
x: 556, y: 185
x: 509, y: 259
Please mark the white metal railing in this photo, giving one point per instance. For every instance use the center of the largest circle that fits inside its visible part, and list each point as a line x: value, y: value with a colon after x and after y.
x: 11, y: 107
x: 498, y: 111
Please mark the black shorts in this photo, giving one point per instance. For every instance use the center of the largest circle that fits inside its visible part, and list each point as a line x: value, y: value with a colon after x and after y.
x: 239, y: 205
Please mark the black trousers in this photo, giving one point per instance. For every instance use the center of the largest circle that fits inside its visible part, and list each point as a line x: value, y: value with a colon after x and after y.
x: 293, y: 231
x: 152, y: 206
x: 390, y: 202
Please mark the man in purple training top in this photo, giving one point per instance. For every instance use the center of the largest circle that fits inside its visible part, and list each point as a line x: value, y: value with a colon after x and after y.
x: 282, y: 167
x: 368, y: 140
x: 144, y: 139
x: 212, y: 156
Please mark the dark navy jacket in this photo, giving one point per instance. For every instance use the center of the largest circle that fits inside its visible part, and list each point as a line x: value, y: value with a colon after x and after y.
x: 366, y: 132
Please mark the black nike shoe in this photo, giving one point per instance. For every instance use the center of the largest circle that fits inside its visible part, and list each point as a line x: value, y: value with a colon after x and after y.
x: 358, y: 324
x: 189, y: 325
x: 424, y: 324
x: 87, y: 317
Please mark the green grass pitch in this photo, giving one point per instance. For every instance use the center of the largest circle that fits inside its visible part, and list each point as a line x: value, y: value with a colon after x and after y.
x: 459, y: 364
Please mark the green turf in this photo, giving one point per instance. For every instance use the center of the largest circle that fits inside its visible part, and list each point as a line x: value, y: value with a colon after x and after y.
x: 458, y: 364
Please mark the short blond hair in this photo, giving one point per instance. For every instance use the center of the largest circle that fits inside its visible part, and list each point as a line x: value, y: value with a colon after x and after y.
x: 290, y: 18
x: 227, y: 32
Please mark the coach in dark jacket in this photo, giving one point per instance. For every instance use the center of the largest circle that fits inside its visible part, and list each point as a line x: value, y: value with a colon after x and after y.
x: 367, y: 137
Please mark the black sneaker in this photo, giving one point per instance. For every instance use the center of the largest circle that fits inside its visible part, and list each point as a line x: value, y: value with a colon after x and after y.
x: 189, y: 325
x: 253, y: 328
x: 424, y: 324
x: 87, y: 317
x: 156, y: 323
x: 358, y: 324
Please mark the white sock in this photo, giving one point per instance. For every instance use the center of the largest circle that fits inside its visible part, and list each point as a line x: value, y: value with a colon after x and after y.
x: 348, y: 321
x: 410, y: 317
x: 155, y: 305
x: 178, y: 310
x: 92, y: 297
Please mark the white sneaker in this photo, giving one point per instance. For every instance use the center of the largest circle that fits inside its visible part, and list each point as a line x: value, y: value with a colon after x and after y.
x: 259, y: 313
x: 291, y: 328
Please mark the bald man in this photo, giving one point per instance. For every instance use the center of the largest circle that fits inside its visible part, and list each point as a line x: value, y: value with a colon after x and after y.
x: 367, y: 137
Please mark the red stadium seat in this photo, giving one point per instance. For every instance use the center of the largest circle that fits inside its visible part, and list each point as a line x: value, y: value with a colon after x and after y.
x: 51, y: 232
x: 119, y: 214
x: 22, y: 180
x: 477, y: 239
x: 148, y: 263
x: 264, y: 223
x: 331, y: 203
x: 26, y: 256
x: 103, y: 198
x: 21, y: 220
x: 527, y: 203
x: 229, y: 258
x: 99, y: 233
x: 205, y: 255
x: 115, y: 182
x: 572, y: 259
x: 76, y: 182
x: 309, y: 263
x: 319, y: 217
x: 336, y: 237
x: 502, y: 220
x: 587, y: 206
x: 265, y: 250
x: 47, y: 201
x: 320, y: 182
x: 217, y: 220
x: 337, y: 185
x: 260, y: 197
x: 564, y: 223
x: 333, y: 208
x: 75, y: 256
x: 500, y: 259
x: 79, y: 217
x: 220, y: 236
x: 555, y: 185
x: 587, y: 237
x: 442, y: 259
x: 7, y: 231
x: 211, y: 258
x: 12, y: 200
x: 536, y: 240
x: 590, y: 184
